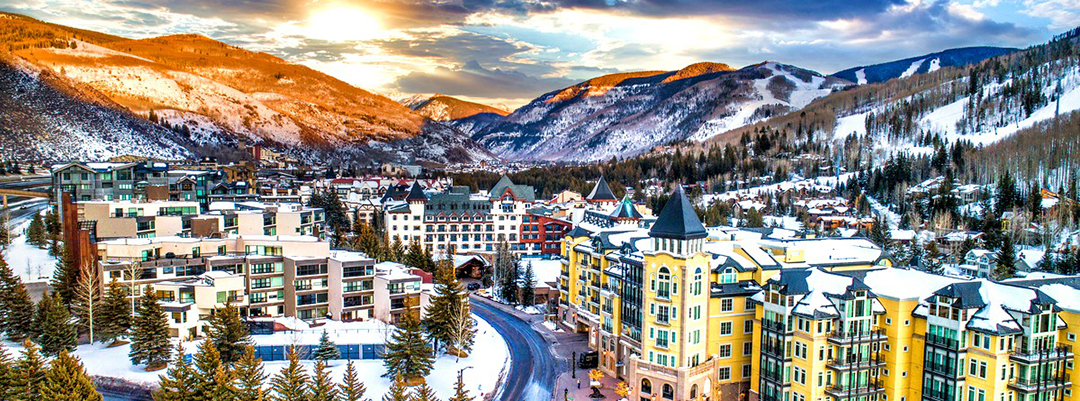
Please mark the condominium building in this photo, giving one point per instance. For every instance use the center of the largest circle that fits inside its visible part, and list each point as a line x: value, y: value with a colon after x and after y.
x: 684, y: 313
x: 189, y: 301
x: 138, y: 219
x: 141, y: 181
x: 281, y: 275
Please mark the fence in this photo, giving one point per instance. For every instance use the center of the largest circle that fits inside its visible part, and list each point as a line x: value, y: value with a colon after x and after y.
x: 348, y: 351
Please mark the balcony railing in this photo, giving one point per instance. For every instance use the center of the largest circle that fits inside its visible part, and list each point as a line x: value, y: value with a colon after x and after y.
x: 774, y: 326
x: 939, y: 395
x: 942, y: 341
x: 775, y: 376
x: 1028, y: 356
x: 856, y: 337
x: 854, y: 390
x: 775, y: 350
x: 1026, y: 385
x: 946, y: 369
x: 856, y: 362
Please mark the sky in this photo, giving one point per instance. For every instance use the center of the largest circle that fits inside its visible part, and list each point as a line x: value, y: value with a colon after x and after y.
x: 507, y: 52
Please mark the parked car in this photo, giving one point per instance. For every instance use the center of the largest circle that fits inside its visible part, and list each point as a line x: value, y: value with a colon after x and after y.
x: 473, y: 286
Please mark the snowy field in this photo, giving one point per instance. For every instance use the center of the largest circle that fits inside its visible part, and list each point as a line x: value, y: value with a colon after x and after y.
x: 546, y: 270
x: 488, y: 361
x: 28, y: 261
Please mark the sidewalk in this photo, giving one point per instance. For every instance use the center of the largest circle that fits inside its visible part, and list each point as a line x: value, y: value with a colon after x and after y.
x: 568, y: 344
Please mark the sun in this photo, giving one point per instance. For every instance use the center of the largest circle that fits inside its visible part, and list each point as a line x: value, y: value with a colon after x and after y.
x: 342, y: 23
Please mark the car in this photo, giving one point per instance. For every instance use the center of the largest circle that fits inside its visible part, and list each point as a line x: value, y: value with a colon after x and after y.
x: 473, y: 286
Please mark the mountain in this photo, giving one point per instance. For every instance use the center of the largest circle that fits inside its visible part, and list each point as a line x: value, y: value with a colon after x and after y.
x: 922, y: 64
x: 468, y: 117
x: 625, y: 114
x: 217, y: 94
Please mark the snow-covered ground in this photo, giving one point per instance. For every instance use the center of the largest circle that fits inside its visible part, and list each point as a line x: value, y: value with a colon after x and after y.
x: 488, y: 361
x: 28, y: 261
x: 546, y: 270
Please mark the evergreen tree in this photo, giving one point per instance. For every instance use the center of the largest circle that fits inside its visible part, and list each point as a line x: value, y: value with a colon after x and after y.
x: 423, y: 392
x: 16, y: 309
x: 879, y: 233
x: 417, y: 257
x: 35, y: 233
x: 508, y: 271
x: 327, y: 350
x: 115, y: 313
x: 177, y: 384
x: 1046, y: 264
x: 528, y: 286
x: 932, y: 259
x: 204, y: 373
x: 754, y: 219
x: 352, y: 389
x: 1006, y: 260
x: 1005, y: 196
x: 65, y: 281
x: 1034, y: 202
x: 224, y: 385
x: 149, y: 332
x: 396, y: 392
x: 55, y: 331
x: 229, y: 334
x: 30, y: 373
x: 460, y: 393
x: 291, y: 383
x: 52, y: 224
x: 407, y: 353
x: 366, y: 240
x: 250, y: 377
x: 66, y: 380
x: 5, y: 232
x: 444, y: 304
x: 8, y: 376
x: 397, y: 250
x: 322, y: 388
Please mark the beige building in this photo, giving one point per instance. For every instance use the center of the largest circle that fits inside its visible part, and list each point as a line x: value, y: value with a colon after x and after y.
x: 139, y: 219
x: 189, y: 301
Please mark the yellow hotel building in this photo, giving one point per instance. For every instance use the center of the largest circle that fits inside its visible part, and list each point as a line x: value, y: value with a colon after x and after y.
x: 680, y: 312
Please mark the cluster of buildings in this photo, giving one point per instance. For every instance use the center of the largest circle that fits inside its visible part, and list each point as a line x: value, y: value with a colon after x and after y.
x: 681, y: 312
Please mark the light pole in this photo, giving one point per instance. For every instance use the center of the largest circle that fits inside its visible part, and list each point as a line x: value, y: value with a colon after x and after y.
x: 573, y: 366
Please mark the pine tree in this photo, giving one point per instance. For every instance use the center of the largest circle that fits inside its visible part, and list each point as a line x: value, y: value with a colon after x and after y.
x: 407, y: 353
x: 35, y: 233
x: 204, y: 373
x: 1006, y: 196
x: 327, y: 350
x: 528, y: 286
x: 1006, y: 260
x: 224, y: 385
x: 250, y: 377
x: 396, y: 392
x: 291, y: 384
x: 30, y: 373
x: 66, y: 380
x: 115, y: 313
x: 16, y: 309
x: 931, y: 259
x: 423, y: 392
x: 52, y: 223
x: 53, y: 322
x: 460, y: 393
x: 397, y: 250
x: 5, y: 232
x: 366, y: 240
x: 352, y: 389
x: 8, y: 376
x: 65, y: 279
x: 229, y: 334
x: 879, y: 233
x: 444, y: 304
x: 149, y: 332
x: 176, y: 383
x: 417, y: 257
x: 322, y: 388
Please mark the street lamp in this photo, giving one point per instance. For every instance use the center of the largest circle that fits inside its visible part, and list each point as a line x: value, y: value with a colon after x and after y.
x: 573, y: 366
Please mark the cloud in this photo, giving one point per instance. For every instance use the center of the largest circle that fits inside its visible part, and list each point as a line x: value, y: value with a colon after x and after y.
x: 475, y: 81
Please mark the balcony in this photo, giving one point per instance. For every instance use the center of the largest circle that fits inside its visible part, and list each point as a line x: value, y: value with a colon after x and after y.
x: 776, y: 376
x: 855, y: 362
x: 942, y: 341
x: 840, y: 391
x: 774, y: 326
x: 856, y: 337
x: 948, y: 369
x: 939, y: 395
x: 1029, y: 356
x: 1025, y: 385
x: 775, y: 350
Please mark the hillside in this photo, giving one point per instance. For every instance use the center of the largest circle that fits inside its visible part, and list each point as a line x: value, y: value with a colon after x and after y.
x: 468, y: 117
x: 622, y: 115
x: 219, y: 93
x: 907, y: 67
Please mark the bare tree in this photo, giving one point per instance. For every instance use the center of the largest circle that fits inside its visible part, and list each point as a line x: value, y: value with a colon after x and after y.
x: 462, y: 330
x: 133, y: 270
x: 87, y: 298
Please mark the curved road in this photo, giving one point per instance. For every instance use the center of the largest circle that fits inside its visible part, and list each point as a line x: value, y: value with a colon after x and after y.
x: 533, y: 367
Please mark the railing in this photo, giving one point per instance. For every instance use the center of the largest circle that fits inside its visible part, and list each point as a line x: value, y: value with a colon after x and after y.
x: 941, y: 395
x: 852, y: 390
x: 942, y: 341
x: 776, y: 376
x: 948, y: 369
x: 776, y: 350
x: 650, y: 367
x: 774, y: 326
x: 1040, y: 384
x: 1059, y: 352
x: 856, y: 336
x: 855, y: 361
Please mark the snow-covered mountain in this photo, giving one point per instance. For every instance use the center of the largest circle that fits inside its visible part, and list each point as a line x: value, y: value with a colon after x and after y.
x: 217, y: 94
x: 622, y: 115
x: 468, y: 117
x: 907, y: 67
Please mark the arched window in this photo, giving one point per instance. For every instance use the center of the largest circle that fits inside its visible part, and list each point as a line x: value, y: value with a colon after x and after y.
x: 693, y: 392
x: 668, y: 392
x: 646, y: 386
x: 663, y: 282
x: 697, y: 281
x: 728, y: 276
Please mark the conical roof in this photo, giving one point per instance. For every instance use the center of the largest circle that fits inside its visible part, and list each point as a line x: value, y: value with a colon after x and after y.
x: 601, y: 192
x: 677, y: 219
x: 416, y: 193
x: 626, y: 210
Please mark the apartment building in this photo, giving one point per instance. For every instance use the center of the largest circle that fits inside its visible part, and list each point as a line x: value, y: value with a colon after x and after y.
x: 396, y: 292
x: 467, y: 222
x: 261, y: 218
x: 189, y: 301
x: 138, y: 181
x: 281, y: 276
x: 138, y: 219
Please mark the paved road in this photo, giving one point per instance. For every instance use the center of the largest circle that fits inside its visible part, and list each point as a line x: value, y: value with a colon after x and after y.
x: 534, y: 367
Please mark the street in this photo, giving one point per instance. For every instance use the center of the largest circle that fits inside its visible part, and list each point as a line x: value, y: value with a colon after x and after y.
x: 533, y: 366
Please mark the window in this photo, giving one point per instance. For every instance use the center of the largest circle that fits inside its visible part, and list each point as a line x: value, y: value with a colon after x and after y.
x: 799, y: 375
x: 725, y: 351
x: 748, y: 348
x: 646, y: 386
x: 800, y: 349
x: 668, y: 392
x: 746, y: 369
x: 1071, y: 336
x: 727, y: 305
x: 724, y: 373
x: 888, y: 321
x: 725, y: 328
x: 748, y: 326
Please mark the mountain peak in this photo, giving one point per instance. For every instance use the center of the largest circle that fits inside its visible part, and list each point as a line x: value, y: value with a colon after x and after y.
x: 698, y: 69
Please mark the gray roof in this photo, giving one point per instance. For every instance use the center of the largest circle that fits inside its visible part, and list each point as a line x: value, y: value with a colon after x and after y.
x: 601, y: 192
x: 416, y: 193
x: 522, y: 192
x: 677, y: 219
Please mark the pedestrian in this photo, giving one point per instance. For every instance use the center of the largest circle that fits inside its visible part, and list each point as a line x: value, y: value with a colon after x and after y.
x: 579, y: 384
